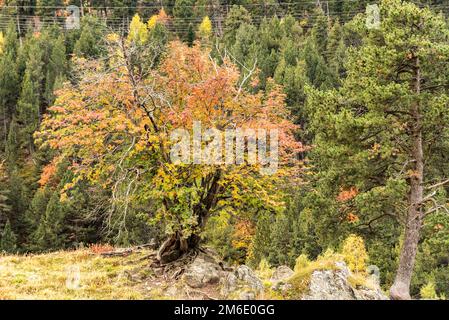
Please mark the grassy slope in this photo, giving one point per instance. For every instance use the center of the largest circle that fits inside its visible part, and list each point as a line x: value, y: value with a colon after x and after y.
x: 44, y: 276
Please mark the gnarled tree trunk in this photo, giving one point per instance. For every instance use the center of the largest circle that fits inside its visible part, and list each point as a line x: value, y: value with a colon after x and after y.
x: 176, y: 245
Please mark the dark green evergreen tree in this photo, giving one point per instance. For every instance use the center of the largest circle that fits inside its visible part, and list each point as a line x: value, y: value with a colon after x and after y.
x: 184, y: 17
x: 9, y: 81
x: 8, y: 240
x: 90, y: 43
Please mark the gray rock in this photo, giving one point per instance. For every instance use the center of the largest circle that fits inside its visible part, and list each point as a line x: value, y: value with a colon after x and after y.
x: 229, y: 283
x: 329, y: 285
x: 241, y: 284
x: 343, y: 268
x: 334, y: 285
x: 281, y: 273
x: 201, y: 273
x: 280, y: 277
x: 245, y: 274
x: 369, y: 294
x: 247, y: 295
x: 374, y: 273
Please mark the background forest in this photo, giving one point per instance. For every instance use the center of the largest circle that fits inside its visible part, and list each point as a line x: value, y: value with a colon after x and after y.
x: 357, y: 102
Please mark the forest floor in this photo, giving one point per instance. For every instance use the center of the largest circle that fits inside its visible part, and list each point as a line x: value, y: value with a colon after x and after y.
x: 81, y: 274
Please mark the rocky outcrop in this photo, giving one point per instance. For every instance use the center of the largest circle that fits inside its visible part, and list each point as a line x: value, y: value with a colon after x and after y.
x: 335, y: 285
x: 329, y: 285
x: 241, y: 284
x: 201, y: 272
x: 279, y: 279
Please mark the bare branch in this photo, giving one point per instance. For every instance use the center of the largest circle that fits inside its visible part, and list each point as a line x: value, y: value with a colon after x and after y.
x: 439, y: 184
x: 437, y: 208
x: 250, y: 73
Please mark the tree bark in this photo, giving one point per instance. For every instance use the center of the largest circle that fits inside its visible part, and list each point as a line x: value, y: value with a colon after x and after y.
x: 400, y: 289
x: 176, y: 245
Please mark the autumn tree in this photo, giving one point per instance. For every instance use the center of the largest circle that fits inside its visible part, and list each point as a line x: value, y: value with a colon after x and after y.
x: 118, y: 129
x: 381, y: 139
x: 354, y: 253
x: 205, y: 29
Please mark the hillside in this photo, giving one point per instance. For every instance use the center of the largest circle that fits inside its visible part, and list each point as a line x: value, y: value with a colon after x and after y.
x: 48, y: 276
x: 95, y: 273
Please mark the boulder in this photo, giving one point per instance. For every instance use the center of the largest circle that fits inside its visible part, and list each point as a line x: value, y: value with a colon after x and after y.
x: 329, y: 285
x: 374, y: 273
x: 364, y: 293
x: 229, y: 283
x: 247, y: 295
x: 334, y: 285
x: 280, y: 277
x: 246, y: 275
x: 281, y: 273
x: 241, y: 284
x: 202, y: 272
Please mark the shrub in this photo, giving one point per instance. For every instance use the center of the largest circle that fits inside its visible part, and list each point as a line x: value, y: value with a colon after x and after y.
x: 354, y: 253
x: 264, y: 270
x: 301, y: 262
x: 99, y: 248
x: 428, y: 292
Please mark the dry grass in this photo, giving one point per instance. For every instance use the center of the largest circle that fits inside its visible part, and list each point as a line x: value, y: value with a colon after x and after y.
x: 78, y: 274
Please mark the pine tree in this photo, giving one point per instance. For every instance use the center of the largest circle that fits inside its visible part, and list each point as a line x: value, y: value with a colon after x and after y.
x: 335, y: 50
x: 190, y: 37
x: 56, y: 69
x: 183, y: 14
x: 9, y: 81
x: 12, y: 145
x: 320, y: 31
x: 49, y: 234
x: 317, y: 70
x: 280, y: 241
x: 261, y: 245
x: 89, y: 44
x: 381, y: 135
x: 8, y: 240
x: 19, y: 196
x: 5, y: 208
x: 28, y: 108
x: 236, y: 17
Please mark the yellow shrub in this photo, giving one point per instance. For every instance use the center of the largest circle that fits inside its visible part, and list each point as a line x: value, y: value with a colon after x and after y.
x: 205, y: 28
x: 152, y: 22
x: 264, y: 270
x: 428, y: 292
x: 161, y: 17
x: 301, y: 262
x: 2, y: 42
x: 354, y: 253
x: 138, y: 31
